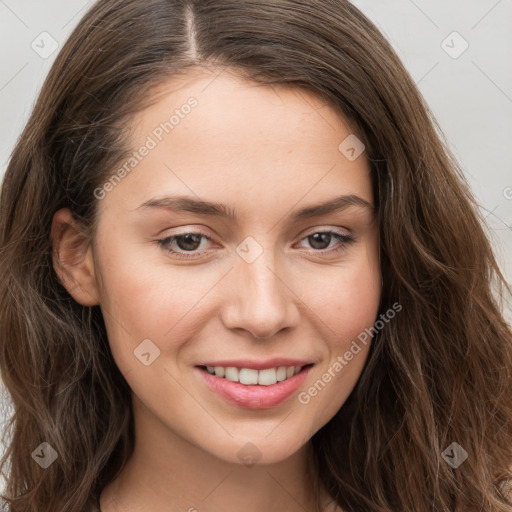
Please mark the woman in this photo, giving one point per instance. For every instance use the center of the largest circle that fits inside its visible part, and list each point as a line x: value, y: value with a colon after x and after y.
x: 240, y: 269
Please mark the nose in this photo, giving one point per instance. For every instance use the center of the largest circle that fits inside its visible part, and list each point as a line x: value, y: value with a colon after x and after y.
x: 261, y: 298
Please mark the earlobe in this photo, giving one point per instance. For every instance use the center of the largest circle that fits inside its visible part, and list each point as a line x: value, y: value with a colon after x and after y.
x: 72, y: 258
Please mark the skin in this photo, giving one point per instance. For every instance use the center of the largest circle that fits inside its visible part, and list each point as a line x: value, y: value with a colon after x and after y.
x: 266, y: 152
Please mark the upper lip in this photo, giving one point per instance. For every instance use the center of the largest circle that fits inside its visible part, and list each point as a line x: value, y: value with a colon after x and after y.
x: 257, y: 365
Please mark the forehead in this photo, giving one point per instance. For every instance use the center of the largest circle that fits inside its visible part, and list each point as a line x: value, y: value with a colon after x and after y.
x: 230, y: 107
x: 241, y: 140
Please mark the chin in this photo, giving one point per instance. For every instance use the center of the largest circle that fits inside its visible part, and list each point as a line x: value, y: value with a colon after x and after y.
x: 249, y: 452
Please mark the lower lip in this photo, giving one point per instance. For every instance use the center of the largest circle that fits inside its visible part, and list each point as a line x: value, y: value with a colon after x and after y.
x: 254, y: 396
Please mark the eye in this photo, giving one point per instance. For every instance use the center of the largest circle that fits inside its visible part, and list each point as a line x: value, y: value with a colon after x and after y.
x: 321, y: 240
x: 187, y: 242
x: 187, y: 245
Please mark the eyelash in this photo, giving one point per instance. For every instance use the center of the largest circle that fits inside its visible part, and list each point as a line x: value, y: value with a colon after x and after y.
x: 344, y: 239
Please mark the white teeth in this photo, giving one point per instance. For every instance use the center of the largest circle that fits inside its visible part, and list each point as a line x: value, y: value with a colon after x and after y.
x: 267, y: 377
x: 250, y: 376
x: 281, y: 373
x: 232, y: 373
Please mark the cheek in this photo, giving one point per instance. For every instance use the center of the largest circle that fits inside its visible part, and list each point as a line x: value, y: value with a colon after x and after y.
x: 346, y: 296
x: 353, y: 296
x: 140, y: 302
x: 357, y: 301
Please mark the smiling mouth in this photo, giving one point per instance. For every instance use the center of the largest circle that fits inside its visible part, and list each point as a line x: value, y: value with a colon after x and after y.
x: 250, y: 376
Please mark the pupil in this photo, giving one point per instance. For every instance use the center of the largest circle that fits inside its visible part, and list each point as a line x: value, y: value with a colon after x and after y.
x: 187, y: 238
x: 317, y: 237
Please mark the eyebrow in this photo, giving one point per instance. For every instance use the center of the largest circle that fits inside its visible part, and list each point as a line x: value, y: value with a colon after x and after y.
x: 192, y: 205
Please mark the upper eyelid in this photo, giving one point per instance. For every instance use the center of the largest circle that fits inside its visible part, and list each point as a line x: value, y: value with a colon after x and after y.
x: 325, y: 229
x: 304, y: 233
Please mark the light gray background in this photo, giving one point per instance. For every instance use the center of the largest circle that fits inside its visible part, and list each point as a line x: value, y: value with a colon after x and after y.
x: 470, y: 95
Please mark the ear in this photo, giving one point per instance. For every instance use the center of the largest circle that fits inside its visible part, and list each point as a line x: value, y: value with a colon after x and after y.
x: 72, y: 258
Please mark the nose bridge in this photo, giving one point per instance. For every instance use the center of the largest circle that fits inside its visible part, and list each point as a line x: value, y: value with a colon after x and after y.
x: 263, y: 303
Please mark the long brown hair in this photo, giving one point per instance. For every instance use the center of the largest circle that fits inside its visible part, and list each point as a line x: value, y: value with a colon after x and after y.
x: 439, y: 373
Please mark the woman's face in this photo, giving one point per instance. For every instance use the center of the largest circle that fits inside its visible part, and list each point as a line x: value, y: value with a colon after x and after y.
x: 251, y: 284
